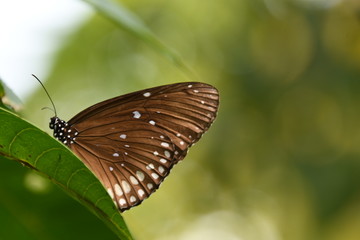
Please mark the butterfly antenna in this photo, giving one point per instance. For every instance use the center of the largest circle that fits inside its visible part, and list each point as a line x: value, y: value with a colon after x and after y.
x: 46, y: 94
x: 48, y: 109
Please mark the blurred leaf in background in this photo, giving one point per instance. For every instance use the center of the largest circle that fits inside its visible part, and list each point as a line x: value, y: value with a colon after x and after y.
x: 282, y: 161
x: 8, y: 99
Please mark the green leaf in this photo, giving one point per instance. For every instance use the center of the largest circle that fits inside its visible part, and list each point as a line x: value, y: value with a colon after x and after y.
x: 129, y: 22
x: 23, y: 142
x: 2, y: 91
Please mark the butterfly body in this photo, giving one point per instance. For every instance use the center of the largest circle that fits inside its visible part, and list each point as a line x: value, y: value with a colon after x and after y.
x: 131, y: 142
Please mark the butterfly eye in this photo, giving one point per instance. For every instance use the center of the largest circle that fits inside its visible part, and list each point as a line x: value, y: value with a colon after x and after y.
x: 131, y: 142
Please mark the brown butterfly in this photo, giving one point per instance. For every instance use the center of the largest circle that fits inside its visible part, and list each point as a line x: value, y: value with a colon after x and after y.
x: 131, y: 142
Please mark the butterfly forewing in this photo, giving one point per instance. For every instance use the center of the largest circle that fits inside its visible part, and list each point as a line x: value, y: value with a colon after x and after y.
x: 131, y: 142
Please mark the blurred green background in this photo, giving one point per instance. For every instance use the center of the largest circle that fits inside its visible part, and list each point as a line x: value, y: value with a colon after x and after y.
x: 282, y: 160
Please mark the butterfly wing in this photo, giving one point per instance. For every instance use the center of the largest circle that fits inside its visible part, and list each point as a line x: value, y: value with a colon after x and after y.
x: 132, y: 141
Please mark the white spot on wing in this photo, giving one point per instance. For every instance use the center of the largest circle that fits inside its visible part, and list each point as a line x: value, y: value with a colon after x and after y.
x: 161, y: 169
x: 111, y: 169
x: 147, y: 94
x: 167, y: 154
x: 133, y: 180
x: 155, y: 176
x: 141, y: 192
x: 164, y: 144
x: 152, y: 122
x: 140, y: 175
x: 118, y: 190
x: 163, y: 160
x: 122, y: 201
x: 132, y: 199
x: 126, y: 186
x: 189, y: 86
x: 136, y: 114
x: 111, y: 193
x: 123, y: 136
x: 150, y: 166
x: 156, y: 153
x: 150, y: 186
x: 116, y: 155
x: 181, y: 142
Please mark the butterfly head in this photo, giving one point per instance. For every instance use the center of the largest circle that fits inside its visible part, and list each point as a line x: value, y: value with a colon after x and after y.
x: 54, y: 123
x: 60, y: 127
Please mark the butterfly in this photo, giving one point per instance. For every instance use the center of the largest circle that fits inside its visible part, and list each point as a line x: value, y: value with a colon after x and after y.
x: 132, y: 141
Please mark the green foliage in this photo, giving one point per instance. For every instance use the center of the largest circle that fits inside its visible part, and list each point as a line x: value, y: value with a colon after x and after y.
x: 22, y: 142
x: 282, y: 159
x: 129, y: 22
